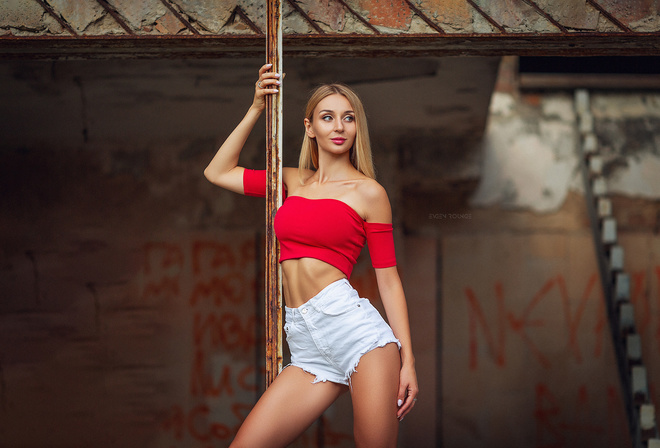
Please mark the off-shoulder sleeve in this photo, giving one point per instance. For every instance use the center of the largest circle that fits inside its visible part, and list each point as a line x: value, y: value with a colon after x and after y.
x: 254, y: 183
x: 380, y: 240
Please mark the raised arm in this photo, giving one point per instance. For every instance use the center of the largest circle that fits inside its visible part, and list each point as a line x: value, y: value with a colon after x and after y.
x: 223, y: 169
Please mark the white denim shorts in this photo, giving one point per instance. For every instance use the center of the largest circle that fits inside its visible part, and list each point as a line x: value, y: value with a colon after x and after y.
x: 329, y: 334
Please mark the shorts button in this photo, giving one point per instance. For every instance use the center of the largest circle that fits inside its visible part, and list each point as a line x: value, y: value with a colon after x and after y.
x: 304, y: 311
x: 358, y: 305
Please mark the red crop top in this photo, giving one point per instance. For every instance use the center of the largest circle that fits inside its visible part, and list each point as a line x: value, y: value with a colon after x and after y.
x: 326, y: 229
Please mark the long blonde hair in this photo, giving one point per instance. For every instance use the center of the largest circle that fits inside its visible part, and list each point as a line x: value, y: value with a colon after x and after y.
x: 360, y: 154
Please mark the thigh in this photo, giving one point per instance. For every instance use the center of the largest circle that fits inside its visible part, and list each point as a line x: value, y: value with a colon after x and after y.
x: 374, y: 389
x: 287, y: 408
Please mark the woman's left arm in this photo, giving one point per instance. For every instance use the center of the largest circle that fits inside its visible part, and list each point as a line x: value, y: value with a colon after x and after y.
x: 394, y: 300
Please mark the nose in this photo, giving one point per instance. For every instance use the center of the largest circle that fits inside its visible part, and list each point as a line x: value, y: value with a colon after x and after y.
x: 339, y: 125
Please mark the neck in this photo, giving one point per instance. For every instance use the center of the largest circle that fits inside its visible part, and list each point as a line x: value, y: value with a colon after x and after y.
x: 333, y: 168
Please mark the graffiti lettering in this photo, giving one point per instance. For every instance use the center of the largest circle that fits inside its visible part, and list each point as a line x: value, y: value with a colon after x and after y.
x: 557, y: 428
x: 520, y: 323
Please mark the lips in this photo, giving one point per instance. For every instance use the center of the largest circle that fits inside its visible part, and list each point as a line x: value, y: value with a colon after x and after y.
x: 338, y: 140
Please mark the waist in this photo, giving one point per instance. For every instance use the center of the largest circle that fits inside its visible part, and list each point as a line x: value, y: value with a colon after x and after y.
x: 304, y: 278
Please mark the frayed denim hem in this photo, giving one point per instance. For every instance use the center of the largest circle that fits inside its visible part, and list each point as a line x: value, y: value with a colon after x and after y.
x: 318, y: 378
x: 381, y: 344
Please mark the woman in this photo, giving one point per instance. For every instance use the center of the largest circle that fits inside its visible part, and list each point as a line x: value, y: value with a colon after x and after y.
x: 338, y: 341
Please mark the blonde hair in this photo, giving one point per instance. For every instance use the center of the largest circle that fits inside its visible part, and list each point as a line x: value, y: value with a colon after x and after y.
x: 360, y: 154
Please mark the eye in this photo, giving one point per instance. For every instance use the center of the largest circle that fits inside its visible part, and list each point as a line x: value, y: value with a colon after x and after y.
x: 349, y: 118
x: 326, y: 117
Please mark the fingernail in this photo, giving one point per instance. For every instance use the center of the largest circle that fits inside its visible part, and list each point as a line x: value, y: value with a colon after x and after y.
x: 400, y: 402
x: 269, y: 65
x: 277, y: 75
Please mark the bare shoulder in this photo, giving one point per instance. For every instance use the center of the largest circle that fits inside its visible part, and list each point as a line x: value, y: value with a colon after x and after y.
x: 375, y: 201
x: 371, y: 190
x: 291, y: 177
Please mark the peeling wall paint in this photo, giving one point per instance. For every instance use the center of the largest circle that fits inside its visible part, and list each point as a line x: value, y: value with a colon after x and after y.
x: 530, y: 158
x: 529, y: 154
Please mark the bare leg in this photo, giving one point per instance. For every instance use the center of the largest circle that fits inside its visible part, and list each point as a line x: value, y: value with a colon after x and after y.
x: 374, y: 389
x: 287, y: 408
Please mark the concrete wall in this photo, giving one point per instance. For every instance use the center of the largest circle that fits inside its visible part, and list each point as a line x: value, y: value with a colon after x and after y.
x: 131, y: 287
x: 524, y: 329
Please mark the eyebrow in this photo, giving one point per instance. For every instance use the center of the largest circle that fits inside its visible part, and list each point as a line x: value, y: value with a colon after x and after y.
x: 332, y: 111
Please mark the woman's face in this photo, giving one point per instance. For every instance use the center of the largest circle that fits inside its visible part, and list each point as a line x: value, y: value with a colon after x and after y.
x: 333, y: 124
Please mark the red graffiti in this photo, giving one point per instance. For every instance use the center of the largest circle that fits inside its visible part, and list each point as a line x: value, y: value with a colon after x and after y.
x: 232, y: 287
x: 476, y: 316
x: 204, y: 382
x: 546, y: 413
x: 227, y: 331
x: 521, y: 323
x: 216, y: 281
x: 562, y: 428
x: 196, y: 424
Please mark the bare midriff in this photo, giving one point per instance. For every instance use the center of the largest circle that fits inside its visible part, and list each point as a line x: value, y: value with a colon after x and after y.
x: 303, y: 278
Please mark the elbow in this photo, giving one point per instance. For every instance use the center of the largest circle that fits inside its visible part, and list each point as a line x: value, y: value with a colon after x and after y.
x: 222, y: 180
x: 211, y: 176
x: 207, y: 174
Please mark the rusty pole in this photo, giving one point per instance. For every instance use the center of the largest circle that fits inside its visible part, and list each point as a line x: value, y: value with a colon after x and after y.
x: 273, y: 197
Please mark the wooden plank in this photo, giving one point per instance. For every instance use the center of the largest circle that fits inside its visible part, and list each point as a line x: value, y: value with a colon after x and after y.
x: 327, y: 45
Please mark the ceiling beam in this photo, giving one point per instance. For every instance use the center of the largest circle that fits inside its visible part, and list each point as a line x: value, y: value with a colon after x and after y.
x: 323, y: 45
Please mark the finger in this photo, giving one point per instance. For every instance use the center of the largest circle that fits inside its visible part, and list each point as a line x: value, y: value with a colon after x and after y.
x: 267, y: 90
x: 269, y: 75
x: 263, y: 74
x: 263, y: 69
x: 268, y: 86
x: 405, y: 408
x: 270, y: 83
x: 410, y: 397
x: 401, y: 396
x: 267, y: 80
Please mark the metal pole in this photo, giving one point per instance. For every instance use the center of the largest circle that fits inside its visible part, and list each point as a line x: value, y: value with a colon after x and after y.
x: 273, y: 197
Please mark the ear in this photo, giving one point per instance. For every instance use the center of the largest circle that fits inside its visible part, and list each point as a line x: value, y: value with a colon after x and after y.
x: 308, y: 128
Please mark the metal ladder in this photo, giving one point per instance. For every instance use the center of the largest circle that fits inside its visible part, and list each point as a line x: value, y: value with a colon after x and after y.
x: 615, y: 284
